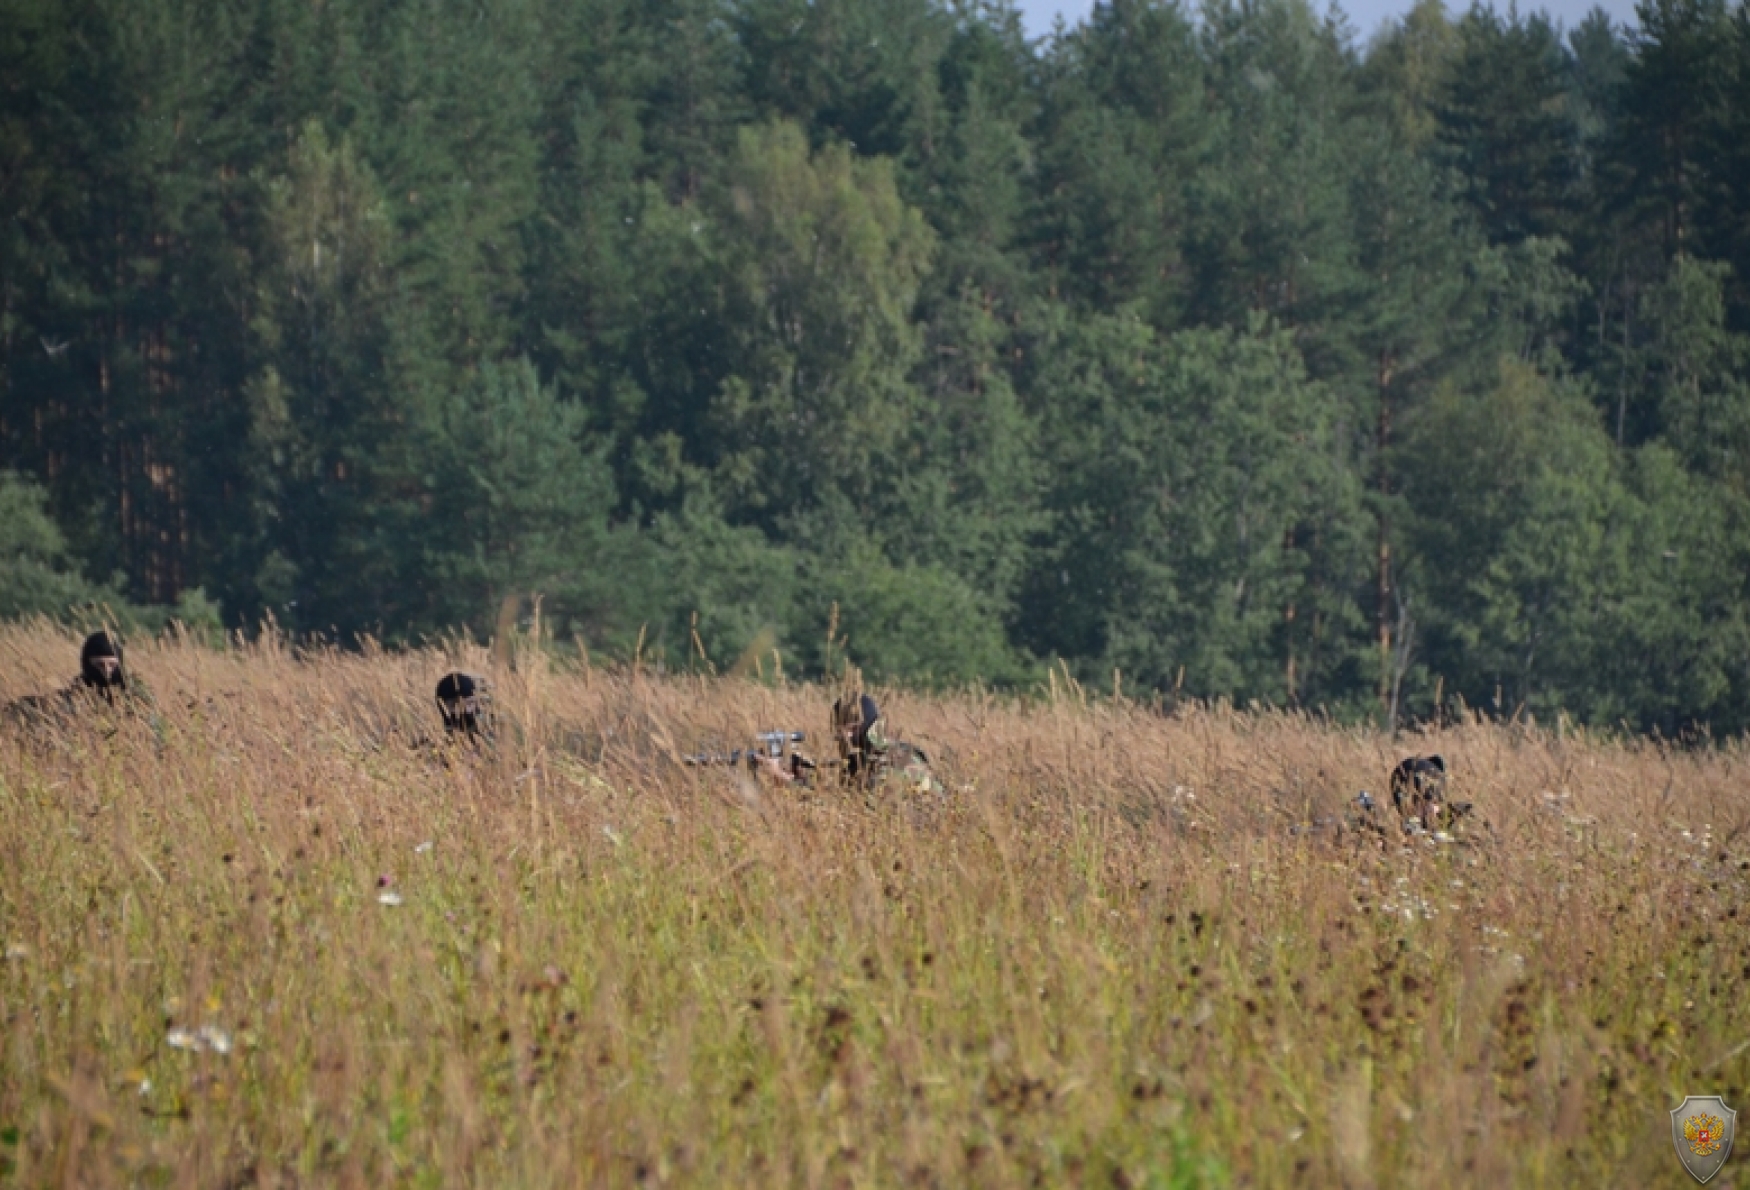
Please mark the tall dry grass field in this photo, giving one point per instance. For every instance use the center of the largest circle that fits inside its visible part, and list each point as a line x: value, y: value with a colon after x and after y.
x: 270, y: 938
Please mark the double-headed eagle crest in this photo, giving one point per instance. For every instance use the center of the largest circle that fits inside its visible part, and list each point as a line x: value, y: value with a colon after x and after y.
x: 1702, y: 1128
x: 1703, y: 1133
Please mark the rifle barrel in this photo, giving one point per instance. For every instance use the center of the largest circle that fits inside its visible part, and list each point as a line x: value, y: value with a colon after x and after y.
x: 771, y: 745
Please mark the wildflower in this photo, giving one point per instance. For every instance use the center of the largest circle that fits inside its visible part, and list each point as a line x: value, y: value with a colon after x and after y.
x: 207, y: 1037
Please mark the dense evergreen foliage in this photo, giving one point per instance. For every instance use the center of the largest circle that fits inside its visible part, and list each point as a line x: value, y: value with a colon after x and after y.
x: 1211, y: 347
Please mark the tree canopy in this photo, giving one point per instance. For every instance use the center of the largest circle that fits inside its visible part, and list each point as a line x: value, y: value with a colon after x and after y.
x: 1215, y: 347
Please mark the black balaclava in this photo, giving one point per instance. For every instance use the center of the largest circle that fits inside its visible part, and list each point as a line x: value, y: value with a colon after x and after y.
x: 870, y: 714
x: 101, y: 648
x: 459, y: 701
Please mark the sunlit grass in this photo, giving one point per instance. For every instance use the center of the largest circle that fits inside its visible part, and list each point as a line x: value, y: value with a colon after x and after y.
x: 275, y: 938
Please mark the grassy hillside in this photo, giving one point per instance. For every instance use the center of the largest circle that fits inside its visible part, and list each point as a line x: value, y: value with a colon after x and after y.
x: 1111, y: 960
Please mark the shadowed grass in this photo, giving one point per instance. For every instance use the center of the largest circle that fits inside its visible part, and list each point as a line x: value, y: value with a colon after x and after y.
x: 1109, y: 961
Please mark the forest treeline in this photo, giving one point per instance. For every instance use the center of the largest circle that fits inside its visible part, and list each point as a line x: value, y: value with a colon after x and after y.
x: 1215, y: 347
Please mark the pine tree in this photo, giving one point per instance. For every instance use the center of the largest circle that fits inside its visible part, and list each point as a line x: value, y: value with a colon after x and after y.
x: 324, y: 424
x: 1272, y: 228
x: 517, y: 507
x: 1405, y: 72
x: 1121, y: 134
x: 1673, y: 94
x: 1404, y: 334
x: 1508, y: 127
x: 1728, y: 206
x: 860, y: 72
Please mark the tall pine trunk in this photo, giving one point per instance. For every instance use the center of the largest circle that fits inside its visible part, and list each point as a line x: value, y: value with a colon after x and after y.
x: 1383, y: 585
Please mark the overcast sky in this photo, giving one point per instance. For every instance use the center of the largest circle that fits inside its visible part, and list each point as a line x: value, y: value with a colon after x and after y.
x: 1365, y: 15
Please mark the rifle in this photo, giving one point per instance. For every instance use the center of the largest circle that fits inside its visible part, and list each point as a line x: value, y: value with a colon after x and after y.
x: 770, y: 746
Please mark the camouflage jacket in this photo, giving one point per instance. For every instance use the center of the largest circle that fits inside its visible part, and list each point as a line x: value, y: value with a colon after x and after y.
x: 882, y: 761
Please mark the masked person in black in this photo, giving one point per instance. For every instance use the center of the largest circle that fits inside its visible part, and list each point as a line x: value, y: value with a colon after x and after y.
x: 102, y: 681
x: 465, y: 706
x: 100, y: 666
x: 1419, y: 793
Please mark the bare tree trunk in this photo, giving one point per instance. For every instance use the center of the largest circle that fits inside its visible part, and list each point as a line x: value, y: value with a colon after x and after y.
x: 1622, y: 373
x: 1400, y: 663
x: 1383, y: 583
x: 1290, y: 677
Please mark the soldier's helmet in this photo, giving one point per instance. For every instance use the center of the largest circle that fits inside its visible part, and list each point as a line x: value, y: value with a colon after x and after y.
x: 852, y: 717
x: 464, y: 704
x: 100, y: 663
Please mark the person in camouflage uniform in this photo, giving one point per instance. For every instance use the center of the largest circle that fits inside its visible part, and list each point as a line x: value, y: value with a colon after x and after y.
x: 868, y: 758
x: 1419, y: 794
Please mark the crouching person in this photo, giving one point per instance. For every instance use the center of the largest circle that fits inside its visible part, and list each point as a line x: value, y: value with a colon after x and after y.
x: 103, y: 683
x: 868, y: 759
x: 1420, y: 796
x: 465, y: 706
